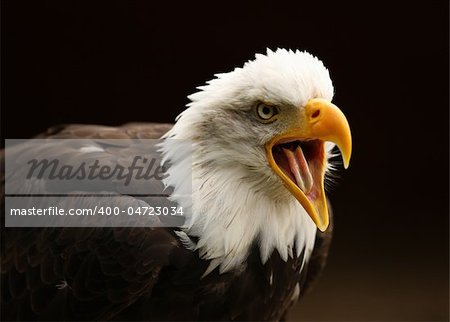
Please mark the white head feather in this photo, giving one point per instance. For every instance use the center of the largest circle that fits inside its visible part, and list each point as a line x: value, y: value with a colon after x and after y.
x: 237, y: 200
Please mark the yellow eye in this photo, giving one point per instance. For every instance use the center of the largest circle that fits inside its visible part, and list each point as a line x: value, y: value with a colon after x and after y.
x: 266, y: 112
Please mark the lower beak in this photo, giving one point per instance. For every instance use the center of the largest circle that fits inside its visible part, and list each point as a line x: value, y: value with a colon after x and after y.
x: 298, y: 155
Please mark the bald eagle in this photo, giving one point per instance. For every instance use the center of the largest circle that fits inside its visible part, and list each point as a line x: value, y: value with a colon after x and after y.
x: 263, y: 136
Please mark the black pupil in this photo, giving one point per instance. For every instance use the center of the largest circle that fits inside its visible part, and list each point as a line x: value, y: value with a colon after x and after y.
x: 266, y: 110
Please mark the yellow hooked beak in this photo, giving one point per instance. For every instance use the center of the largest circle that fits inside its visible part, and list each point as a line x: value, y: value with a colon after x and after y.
x: 298, y: 155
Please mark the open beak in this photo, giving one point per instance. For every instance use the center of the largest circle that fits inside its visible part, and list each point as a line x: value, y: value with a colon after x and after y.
x: 298, y: 155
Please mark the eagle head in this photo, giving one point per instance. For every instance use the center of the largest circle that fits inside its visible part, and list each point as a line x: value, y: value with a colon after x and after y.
x: 262, y: 136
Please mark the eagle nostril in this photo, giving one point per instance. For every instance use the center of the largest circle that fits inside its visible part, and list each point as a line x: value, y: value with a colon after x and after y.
x: 315, y: 114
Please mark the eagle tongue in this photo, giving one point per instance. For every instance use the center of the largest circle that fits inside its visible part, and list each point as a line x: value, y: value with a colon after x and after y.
x: 299, y: 168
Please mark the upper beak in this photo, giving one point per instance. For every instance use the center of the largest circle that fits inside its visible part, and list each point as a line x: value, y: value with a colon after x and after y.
x: 319, y: 121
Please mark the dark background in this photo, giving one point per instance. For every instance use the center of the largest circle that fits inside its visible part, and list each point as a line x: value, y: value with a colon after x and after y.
x: 119, y: 61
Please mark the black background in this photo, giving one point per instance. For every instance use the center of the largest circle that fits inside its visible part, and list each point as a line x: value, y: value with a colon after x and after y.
x: 119, y: 61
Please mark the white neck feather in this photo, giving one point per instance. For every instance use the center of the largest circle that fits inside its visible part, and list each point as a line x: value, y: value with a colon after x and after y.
x: 231, y: 210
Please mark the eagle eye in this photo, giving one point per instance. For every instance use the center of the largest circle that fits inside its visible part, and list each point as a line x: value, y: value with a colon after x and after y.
x: 266, y: 112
